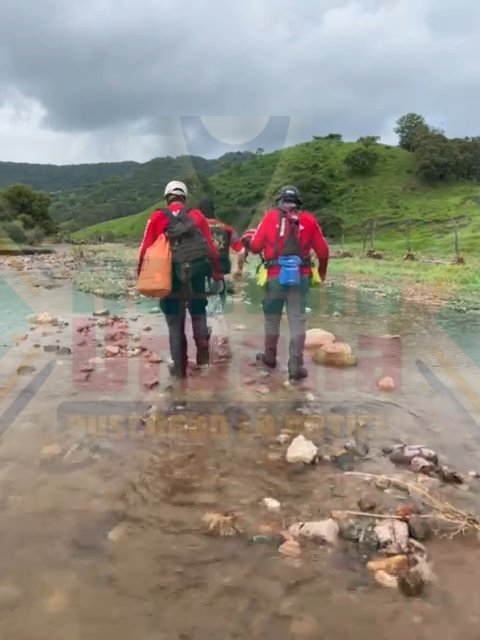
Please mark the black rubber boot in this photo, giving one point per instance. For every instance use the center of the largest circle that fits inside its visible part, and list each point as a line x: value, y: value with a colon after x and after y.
x: 296, y: 370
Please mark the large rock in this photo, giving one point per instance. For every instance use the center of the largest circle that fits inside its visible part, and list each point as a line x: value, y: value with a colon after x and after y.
x: 393, y: 536
x: 335, y: 354
x: 324, y: 530
x: 318, y: 337
x: 301, y: 450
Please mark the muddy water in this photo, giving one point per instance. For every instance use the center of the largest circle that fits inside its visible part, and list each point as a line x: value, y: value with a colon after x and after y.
x: 161, y: 577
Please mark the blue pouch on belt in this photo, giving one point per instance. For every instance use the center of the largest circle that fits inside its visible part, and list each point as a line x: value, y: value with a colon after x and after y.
x: 289, y: 271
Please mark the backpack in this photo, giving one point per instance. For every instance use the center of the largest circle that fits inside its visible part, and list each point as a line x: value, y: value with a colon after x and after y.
x: 222, y: 239
x: 188, y: 243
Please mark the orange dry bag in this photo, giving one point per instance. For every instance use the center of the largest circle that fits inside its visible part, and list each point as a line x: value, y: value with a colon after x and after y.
x: 155, y: 277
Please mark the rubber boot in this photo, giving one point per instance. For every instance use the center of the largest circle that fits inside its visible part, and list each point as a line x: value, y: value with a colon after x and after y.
x: 269, y: 355
x: 296, y: 370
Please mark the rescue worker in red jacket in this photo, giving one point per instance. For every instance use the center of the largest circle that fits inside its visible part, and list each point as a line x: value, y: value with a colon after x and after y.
x: 185, y: 294
x: 287, y: 224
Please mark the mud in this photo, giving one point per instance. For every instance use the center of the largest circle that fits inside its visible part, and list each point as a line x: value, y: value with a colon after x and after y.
x: 102, y: 511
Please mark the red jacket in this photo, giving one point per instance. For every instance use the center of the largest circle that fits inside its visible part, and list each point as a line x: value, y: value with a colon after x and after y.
x: 235, y: 243
x: 157, y: 224
x: 310, y: 238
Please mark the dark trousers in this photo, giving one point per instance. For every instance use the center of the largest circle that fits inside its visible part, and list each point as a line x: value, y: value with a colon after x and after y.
x: 191, y: 296
x: 295, y: 299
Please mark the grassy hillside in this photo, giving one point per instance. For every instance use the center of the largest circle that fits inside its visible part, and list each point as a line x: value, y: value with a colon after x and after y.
x: 50, y: 177
x: 392, y: 196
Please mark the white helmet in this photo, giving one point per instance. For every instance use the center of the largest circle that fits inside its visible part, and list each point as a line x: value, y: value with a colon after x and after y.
x: 176, y: 188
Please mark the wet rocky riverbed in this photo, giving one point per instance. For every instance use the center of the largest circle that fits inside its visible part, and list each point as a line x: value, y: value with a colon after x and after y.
x: 107, y: 471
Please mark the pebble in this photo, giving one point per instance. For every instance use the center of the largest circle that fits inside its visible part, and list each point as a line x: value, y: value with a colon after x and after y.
x: 301, y: 450
x: 272, y: 504
x: 382, y: 483
x: 290, y: 548
x: 50, y: 348
x: 386, y: 580
x: 474, y: 474
x: 117, y: 532
x: 240, y: 327
x: 419, y: 528
x: 10, y: 596
x: 102, y: 312
x: 367, y: 503
x: 25, y: 370
x: 283, y: 438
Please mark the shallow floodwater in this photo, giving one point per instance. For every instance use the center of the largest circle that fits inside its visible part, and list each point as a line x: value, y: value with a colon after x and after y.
x: 76, y: 465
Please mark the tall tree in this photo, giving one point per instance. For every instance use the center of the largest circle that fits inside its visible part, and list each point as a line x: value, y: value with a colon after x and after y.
x: 409, y: 128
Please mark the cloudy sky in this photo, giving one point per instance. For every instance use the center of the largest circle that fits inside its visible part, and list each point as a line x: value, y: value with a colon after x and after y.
x: 108, y: 80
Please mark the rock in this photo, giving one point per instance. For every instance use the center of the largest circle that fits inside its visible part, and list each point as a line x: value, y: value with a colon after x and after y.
x: 223, y: 524
x: 474, y: 474
x: 382, y: 483
x: 393, y: 566
x: 324, y: 530
x: 357, y: 447
x: 424, y: 569
x: 290, y: 548
x: 151, y: 384
x: 102, y: 312
x: 386, y: 384
x: 386, y: 580
x: 298, y: 468
x: 393, y: 536
x: 411, y: 583
x: 301, y: 450
x: 25, y: 370
x: 43, y: 318
x: 64, y: 351
x: 272, y: 504
x: 335, y: 354
x: 240, y: 327
x: 448, y: 475
x: 367, y: 503
x: 117, y: 532
x: 317, y: 338
x: 405, y: 511
x: 419, y: 528
x: 343, y: 459
x: 420, y: 465
x: 310, y: 397
x: 51, y: 348
x: 10, y: 596
x: 263, y: 390
x: 154, y: 358
x: 50, y: 452
x: 111, y: 351
x: 304, y: 627
x: 283, y: 438
x: 404, y: 454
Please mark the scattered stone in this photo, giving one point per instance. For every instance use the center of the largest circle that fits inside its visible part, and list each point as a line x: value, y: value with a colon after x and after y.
x: 317, y: 338
x: 111, y: 351
x: 386, y: 384
x: 404, y: 454
x: 386, y: 580
x: 117, y: 532
x: 382, y: 483
x: 301, y: 450
x: 393, y: 536
x: 263, y: 390
x: 310, y: 397
x: 290, y: 548
x: 298, y: 468
x: 474, y: 474
x: 448, y: 475
x: 152, y: 384
x: 393, y: 566
x: 405, y: 511
x: 357, y: 447
x: 25, y: 370
x: 420, y: 465
x: 101, y: 313
x: 367, y: 503
x: 154, y: 358
x: 95, y: 361
x: 272, y: 504
x: 411, y: 583
x: 50, y: 452
x: 64, y: 351
x: 223, y: 524
x: 323, y: 530
x: 283, y: 438
x: 344, y: 460
x: 335, y: 354
x: 51, y: 348
x: 43, y: 318
x: 419, y: 528
x: 10, y: 596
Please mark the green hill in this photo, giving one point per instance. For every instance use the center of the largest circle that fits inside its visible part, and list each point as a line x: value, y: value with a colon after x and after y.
x: 390, y: 197
x: 50, y: 177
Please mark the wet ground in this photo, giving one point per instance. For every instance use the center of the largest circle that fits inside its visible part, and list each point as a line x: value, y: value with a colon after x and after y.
x: 101, y: 527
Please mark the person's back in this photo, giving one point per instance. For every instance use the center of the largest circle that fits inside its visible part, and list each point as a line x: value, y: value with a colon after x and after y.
x: 285, y: 237
x: 224, y: 235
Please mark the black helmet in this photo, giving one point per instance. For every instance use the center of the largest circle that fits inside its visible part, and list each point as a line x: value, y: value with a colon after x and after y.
x: 288, y: 193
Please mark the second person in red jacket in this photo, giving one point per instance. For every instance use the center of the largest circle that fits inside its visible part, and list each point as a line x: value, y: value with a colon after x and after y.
x: 280, y: 229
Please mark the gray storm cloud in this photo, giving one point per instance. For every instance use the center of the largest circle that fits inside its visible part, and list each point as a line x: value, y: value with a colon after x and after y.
x: 105, y: 67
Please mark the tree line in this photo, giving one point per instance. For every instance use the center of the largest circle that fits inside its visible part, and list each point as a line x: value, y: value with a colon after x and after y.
x: 24, y: 214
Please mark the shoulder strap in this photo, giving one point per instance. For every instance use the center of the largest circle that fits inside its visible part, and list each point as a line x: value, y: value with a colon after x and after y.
x: 281, y: 218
